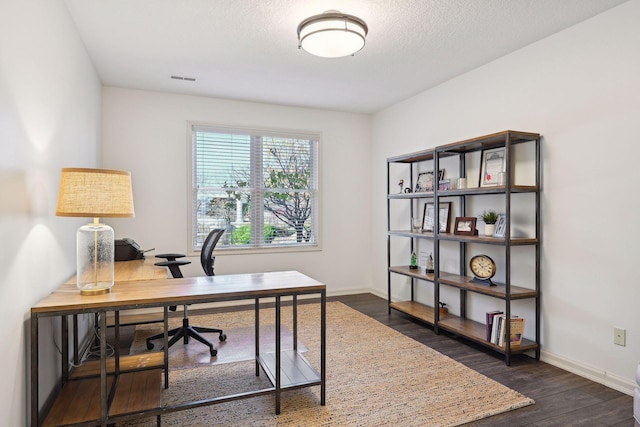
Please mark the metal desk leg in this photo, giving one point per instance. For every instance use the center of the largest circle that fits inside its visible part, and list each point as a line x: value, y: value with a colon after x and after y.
x: 166, y: 350
x: 323, y: 347
x: 257, y: 334
x: 76, y: 341
x: 103, y: 368
x: 64, y: 359
x: 35, y: 422
x: 117, y: 340
x: 278, y: 355
x: 295, y: 323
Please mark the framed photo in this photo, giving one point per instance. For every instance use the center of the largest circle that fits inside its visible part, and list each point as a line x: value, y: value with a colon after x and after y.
x: 444, y: 184
x: 501, y: 226
x: 465, y: 225
x: 493, y: 163
x: 443, y: 217
x: 428, y: 217
x: 426, y: 181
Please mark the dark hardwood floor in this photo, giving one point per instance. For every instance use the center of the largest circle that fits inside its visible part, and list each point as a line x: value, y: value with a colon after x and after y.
x: 562, y: 398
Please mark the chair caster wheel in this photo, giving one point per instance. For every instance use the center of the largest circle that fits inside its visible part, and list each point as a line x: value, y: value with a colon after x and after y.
x: 214, y: 352
x: 223, y: 337
x: 149, y: 345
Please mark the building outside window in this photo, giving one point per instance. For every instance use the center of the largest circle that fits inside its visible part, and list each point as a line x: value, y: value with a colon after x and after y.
x: 260, y: 186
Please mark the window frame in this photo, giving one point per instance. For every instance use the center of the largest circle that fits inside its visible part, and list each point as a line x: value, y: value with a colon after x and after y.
x: 192, y: 126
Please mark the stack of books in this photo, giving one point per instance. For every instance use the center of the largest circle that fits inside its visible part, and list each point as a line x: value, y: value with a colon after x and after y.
x: 496, y: 328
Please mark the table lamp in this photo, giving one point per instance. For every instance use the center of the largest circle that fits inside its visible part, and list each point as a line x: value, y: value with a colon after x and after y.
x: 95, y: 193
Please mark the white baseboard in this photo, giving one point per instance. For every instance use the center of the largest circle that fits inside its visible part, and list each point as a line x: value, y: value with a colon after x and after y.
x: 623, y: 385
x: 374, y: 292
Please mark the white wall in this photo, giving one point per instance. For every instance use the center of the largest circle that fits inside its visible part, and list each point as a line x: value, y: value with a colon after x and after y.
x: 49, y: 119
x: 580, y: 89
x: 147, y: 133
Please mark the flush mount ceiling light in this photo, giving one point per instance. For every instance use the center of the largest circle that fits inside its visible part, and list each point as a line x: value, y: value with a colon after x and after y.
x: 332, y: 34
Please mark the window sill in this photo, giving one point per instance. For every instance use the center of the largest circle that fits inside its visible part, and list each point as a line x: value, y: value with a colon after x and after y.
x: 262, y: 251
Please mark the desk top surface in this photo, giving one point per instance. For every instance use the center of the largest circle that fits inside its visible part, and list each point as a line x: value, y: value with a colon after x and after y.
x: 188, y: 290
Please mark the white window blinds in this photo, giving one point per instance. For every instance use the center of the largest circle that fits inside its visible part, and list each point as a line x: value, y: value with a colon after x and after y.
x: 261, y: 187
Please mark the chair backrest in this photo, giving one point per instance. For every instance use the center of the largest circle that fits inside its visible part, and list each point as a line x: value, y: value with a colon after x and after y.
x: 206, y: 253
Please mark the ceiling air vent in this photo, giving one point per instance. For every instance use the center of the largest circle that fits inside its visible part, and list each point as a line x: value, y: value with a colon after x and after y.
x: 188, y: 79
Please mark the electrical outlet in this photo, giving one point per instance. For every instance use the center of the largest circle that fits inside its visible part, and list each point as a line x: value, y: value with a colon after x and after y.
x: 620, y: 336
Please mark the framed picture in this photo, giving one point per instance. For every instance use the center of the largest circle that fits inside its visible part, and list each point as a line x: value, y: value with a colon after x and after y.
x: 426, y: 181
x: 465, y: 225
x: 428, y: 217
x: 444, y: 184
x: 493, y: 163
x: 443, y: 217
x: 501, y: 226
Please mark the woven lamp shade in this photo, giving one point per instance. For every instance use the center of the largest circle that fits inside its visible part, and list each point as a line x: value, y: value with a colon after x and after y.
x: 97, y: 193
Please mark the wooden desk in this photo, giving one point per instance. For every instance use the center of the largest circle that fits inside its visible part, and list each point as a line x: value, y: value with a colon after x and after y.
x: 164, y: 293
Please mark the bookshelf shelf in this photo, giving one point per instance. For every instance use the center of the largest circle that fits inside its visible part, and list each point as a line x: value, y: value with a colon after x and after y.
x: 476, y: 331
x: 127, y: 363
x: 498, y: 291
x: 416, y: 310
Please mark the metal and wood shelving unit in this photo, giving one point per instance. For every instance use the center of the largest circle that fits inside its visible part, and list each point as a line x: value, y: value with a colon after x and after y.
x: 506, y: 291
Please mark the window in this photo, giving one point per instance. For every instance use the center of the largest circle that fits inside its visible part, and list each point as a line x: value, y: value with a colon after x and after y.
x: 262, y: 187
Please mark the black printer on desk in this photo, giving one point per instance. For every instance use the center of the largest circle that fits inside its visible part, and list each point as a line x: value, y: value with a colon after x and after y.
x: 127, y: 249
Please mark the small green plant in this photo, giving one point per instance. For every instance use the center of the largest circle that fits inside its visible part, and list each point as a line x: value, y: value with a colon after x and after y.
x: 490, y: 217
x: 242, y: 234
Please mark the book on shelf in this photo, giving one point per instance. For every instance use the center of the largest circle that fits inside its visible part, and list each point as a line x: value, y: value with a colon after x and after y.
x: 489, y: 322
x: 517, y: 330
x: 499, y: 330
x: 496, y: 327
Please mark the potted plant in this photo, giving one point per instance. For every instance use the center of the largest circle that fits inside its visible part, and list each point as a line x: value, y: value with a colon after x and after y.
x: 489, y: 218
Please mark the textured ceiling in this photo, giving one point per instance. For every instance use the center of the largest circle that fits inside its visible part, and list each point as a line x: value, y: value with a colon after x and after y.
x: 247, y: 49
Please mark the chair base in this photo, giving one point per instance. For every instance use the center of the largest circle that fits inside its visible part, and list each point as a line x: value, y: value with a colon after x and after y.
x: 187, y: 331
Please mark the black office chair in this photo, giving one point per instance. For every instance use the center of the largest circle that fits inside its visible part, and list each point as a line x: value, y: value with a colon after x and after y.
x: 206, y: 259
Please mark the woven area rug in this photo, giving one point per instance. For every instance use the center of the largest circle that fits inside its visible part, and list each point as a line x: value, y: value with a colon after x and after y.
x: 375, y: 376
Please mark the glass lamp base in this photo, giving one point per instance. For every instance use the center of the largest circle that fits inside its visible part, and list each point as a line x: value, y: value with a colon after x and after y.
x: 94, y: 291
x: 95, y: 250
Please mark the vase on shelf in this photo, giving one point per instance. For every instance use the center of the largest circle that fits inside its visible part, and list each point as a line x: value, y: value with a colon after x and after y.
x: 489, y: 229
x: 489, y: 218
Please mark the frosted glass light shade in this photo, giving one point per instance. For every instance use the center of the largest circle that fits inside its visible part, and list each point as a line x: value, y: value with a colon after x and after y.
x: 94, y: 258
x: 332, y: 34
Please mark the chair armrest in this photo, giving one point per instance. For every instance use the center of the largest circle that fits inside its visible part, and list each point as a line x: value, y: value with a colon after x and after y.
x: 170, y: 256
x: 171, y: 263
